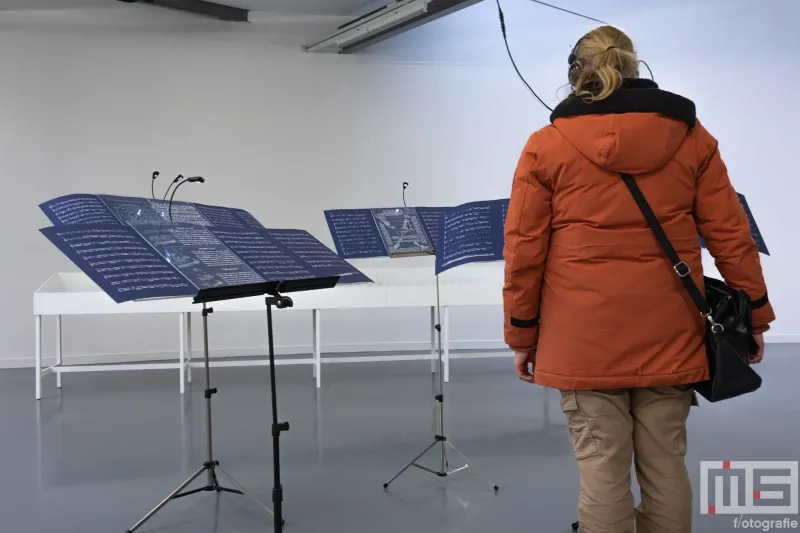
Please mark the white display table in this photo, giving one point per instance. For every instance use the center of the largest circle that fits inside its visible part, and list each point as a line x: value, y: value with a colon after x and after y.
x: 471, y: 285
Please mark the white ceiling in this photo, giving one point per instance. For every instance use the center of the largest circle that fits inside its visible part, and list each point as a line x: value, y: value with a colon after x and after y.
x: 289, y: 7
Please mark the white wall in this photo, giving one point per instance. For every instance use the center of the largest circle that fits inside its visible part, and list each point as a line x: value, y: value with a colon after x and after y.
x: 95, y: 106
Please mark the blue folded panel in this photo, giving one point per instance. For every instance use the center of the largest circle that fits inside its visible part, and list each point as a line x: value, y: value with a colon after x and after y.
x: 320, y: 259
x: 471, y: 233
x: 430, y: 217
x: 119, y: 261
x: 131, y: 249
x: 355, y: 233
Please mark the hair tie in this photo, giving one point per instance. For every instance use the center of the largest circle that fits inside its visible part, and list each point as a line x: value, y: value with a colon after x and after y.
x: 610, y: 47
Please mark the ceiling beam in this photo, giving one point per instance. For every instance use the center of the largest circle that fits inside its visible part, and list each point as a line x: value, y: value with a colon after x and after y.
x: 200, y: 7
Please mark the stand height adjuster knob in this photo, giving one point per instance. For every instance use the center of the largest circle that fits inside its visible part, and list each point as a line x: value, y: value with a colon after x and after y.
x: 210, y: 393
x: 279, y: 428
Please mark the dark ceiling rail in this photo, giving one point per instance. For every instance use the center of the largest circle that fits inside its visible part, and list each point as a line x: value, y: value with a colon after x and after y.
x: 436, y: 9
x: 200, y: 7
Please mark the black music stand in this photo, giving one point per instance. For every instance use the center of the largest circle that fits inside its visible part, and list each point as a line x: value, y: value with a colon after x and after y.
x: 273, y: 291
x: 439, y: 439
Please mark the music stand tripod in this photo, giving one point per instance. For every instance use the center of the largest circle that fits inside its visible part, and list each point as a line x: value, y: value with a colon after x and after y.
x: 211, y: 466
x: 439, y: 439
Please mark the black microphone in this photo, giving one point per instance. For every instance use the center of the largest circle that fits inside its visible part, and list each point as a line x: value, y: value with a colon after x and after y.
x: 178, y: 178
x: 156, y: 174
x: 405, y: 186
x: 194, y: 179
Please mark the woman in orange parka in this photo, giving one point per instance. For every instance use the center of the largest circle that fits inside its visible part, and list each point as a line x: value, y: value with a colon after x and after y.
x: 592, y: 303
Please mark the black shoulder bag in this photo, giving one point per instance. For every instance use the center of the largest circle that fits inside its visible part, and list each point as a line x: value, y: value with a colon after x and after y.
x: 729, y: 329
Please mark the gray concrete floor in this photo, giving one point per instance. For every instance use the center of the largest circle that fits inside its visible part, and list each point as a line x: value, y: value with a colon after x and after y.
x: 98, y: 455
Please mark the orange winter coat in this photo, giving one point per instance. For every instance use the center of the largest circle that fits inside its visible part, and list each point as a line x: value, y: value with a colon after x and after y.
x: 586, y: 283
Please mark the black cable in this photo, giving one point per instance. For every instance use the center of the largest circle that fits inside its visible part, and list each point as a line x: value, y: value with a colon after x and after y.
x: 587, y: 17
x: 648, y: 69
x: 511, y: 56
x: 173, y: 196
x: 176, y: 180
x: 195, y: 179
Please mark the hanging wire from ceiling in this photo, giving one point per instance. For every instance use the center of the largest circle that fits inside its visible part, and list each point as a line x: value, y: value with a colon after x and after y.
x: 508, y: 48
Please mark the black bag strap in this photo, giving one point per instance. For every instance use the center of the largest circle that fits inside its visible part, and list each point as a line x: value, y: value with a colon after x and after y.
x: 681, y: 268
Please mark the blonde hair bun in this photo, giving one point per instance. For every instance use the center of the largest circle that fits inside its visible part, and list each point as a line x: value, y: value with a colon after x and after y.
x: 600, y: 61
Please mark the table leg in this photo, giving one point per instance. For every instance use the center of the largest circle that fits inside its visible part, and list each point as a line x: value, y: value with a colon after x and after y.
x: 433, y: 340
x: 188, y: 347
x: 182, y: 351
x: 59, y: 346
x: 38, y: 339
x: 318, y: 347
x: 446, y: 342
x: 314, y: 343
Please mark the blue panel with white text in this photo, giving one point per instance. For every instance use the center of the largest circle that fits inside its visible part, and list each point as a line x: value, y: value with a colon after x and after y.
x: 471, y: 233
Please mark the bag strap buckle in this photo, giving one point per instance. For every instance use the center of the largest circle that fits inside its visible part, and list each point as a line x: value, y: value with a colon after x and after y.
x: 682, y: 269
x: 716, y: 327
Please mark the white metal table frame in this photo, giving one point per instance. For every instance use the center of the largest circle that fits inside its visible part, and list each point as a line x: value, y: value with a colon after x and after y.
x: 76, y: 294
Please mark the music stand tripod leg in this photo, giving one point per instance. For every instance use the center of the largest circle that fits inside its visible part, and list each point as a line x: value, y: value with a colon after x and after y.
x: 410, y: 464
x: 210, y: 467
x: 440, y: 437
x: 166, y: 500
x: 243, y: 491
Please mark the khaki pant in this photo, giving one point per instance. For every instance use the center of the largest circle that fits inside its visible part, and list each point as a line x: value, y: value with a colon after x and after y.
x: 612, y: 428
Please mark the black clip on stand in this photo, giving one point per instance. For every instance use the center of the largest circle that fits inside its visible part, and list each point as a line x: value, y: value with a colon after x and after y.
x: 211, y: 466
x: 438, y: 439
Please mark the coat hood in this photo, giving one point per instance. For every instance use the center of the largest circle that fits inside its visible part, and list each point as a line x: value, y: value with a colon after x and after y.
x: 636, y: 130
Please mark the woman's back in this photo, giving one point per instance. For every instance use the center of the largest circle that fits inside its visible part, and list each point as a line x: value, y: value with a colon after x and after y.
x: 590, y: 297
x: 615, y: 315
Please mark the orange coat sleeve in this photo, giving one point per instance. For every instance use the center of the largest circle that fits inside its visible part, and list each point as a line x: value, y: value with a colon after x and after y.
x: 527, y: 235
x: 722, y: 222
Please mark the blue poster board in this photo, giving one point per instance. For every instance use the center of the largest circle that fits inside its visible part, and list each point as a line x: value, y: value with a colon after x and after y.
x: 271, y: 260
x: 198, y: 255
x: 380, y: 232
x: 470, y: 233
x: 320, y: 259
x: 227, y: 217
x: 430, y: 217
x: 355, y: 233
x: 119, y: 261
x: 110, y: 209
x: 132, y: 251
x: 78, y: 209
